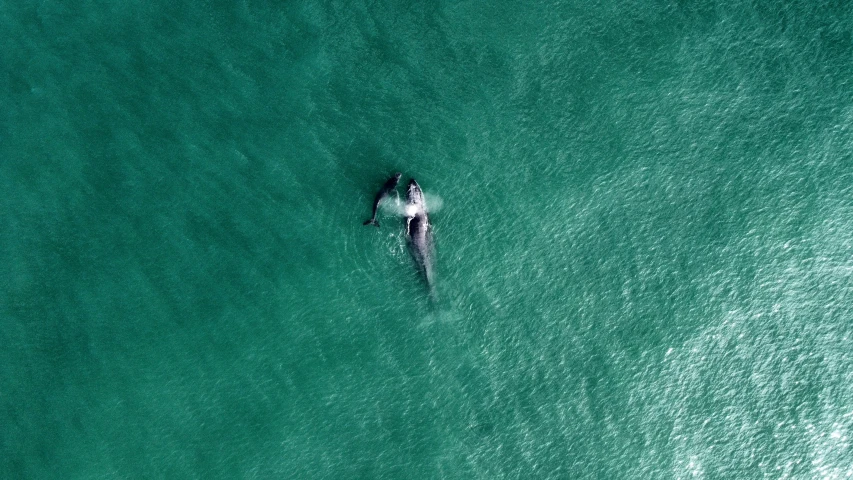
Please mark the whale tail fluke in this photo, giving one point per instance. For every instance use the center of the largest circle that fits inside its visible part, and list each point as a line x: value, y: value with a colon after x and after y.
x: 372, y: 221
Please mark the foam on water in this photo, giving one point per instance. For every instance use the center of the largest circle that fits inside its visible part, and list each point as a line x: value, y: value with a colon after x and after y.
x: 433, y: 202
x: 397, y: 206
x: 393, y: 206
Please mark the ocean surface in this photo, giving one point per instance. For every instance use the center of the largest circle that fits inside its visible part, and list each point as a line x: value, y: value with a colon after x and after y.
x: 643, y: 223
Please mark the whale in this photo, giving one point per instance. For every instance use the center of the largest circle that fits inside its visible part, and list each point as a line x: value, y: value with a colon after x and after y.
x: 389, y: 186
x: 419, y: 232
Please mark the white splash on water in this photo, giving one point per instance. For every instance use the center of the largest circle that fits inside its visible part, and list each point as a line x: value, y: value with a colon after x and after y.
x: 397, y: 206
x: 393, y: 206
x: 433, y: 202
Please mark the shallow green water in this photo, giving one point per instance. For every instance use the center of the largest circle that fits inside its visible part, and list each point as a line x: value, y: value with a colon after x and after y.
x: 643, y: 222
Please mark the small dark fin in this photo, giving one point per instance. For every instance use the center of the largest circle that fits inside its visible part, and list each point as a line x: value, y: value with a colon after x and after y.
x: 371, y: 222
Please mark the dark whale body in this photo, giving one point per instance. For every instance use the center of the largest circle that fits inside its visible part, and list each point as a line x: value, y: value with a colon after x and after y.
x: 419, y: 231
x: 387, y: 187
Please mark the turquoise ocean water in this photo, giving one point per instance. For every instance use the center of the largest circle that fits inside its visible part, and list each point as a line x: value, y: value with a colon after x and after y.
x: 643, y: 213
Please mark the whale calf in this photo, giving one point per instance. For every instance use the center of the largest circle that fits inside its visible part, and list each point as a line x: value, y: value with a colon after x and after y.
x: 419, y: 231
x: 387, y: 187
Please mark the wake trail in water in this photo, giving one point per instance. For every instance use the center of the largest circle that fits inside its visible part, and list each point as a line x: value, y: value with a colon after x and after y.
x: 440, y: 317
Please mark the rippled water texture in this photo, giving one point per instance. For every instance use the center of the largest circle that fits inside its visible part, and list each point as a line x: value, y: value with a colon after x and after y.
x: 643, y: 217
